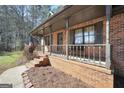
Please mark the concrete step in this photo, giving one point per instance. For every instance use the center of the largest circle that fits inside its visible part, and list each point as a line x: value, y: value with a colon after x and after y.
x: 33, y: 62
x: 29, y: 65
x: 40, y: 59
x: 37, y: 61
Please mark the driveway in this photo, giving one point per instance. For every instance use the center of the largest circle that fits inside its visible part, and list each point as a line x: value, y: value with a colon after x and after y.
x: 13, y: 76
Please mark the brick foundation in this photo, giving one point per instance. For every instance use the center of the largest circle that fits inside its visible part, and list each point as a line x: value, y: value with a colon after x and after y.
x: 94, y: 76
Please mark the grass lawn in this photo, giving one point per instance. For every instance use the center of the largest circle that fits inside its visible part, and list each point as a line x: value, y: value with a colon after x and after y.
x: 8, y: 60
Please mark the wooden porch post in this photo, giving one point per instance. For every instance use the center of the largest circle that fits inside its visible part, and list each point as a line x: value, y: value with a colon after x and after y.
x: 50, y: 31
x: 108, y: 48
x: 67, y: 33
x: 43, y: 42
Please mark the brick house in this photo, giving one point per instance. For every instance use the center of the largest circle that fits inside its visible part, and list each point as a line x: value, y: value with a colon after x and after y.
x: 90, y: 34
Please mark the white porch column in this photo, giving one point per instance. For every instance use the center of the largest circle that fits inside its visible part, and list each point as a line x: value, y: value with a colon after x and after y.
x: 108, y: 47
x: 50, y: 31
x: 43, y: 42
x: 67, y: 33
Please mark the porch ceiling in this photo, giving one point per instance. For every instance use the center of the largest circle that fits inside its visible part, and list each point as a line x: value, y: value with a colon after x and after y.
x: 76, y: 13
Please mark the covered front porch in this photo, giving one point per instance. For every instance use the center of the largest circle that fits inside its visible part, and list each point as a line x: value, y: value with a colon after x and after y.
x: 57, y: 38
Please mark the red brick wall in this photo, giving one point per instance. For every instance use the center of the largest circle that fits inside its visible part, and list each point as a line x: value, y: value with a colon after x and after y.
x: 117, y: 40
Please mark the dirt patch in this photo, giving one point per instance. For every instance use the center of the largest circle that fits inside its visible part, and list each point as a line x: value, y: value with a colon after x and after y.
x: 49, y: 77
x: 2, y: 69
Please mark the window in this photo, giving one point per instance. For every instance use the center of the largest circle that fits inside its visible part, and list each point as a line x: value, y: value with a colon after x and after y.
x: 51, y: 39
x: 60, y: 38
x: 89, y: 34
x: 59, y: 41
x: 78, y: 36
x: 99, y: 33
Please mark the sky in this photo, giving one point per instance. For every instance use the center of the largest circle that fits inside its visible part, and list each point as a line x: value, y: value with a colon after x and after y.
x: 54, y: 6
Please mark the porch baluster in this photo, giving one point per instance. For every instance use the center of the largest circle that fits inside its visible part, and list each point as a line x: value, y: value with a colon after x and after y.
x: 80, y: 53
x: 88, y: 53
x: 61, y: 50
x: 84, y: 54
x: 65, y: 51
x: 76, y: 52
x: 99, y: 54
x: 73, y: 51
x: 68, y: 52
x: 56, y: 49
x: 93, y: 54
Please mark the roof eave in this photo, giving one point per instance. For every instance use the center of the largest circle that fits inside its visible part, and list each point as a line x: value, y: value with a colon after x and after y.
x: 50, y: 18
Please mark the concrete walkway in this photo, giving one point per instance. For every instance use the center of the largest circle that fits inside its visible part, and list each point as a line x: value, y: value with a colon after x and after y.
x: 13, y: 76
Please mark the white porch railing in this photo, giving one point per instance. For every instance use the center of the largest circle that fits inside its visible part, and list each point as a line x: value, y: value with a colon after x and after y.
x: 86, y: 53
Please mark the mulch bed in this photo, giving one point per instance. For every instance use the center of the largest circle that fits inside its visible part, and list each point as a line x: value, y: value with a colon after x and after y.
x: 49, y: 77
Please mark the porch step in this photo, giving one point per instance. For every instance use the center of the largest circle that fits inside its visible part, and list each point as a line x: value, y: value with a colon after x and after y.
x: 37, y: 62
x: 33, y: 62
x: 29, y: 65
x: 40, y: 59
